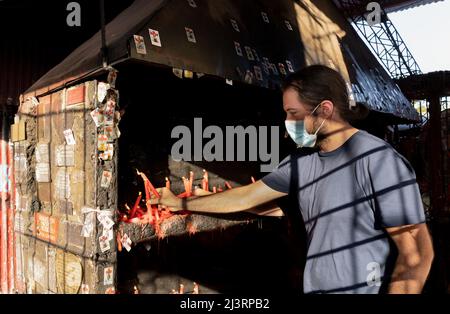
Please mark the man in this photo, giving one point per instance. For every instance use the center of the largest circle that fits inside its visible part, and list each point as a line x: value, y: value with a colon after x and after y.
x: 359, y: 198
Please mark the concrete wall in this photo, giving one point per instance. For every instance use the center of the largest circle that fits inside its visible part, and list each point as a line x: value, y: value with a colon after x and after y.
x: 54, y: 182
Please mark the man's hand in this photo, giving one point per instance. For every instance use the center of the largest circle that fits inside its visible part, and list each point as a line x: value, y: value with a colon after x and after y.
x: 415, y: 254
x: 167, y: 199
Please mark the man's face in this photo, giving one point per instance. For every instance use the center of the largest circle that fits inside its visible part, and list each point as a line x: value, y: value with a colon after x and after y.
x: 296, y: 110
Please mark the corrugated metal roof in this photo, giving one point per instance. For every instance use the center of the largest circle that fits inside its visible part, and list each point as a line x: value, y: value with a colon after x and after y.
x: 413, y: 4
x: 358, y: 7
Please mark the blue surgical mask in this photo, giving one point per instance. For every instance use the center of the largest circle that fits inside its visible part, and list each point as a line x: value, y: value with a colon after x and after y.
x: 297, y: 131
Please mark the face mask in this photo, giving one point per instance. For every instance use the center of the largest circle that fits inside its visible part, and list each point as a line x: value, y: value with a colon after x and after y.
x: 297, y: 131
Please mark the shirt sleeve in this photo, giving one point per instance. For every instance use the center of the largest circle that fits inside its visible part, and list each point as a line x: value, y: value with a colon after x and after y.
x: 396, y: 193
x: 280, y: 178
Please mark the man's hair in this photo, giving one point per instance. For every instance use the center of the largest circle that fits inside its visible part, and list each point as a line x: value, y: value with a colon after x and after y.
x: 317, y: 83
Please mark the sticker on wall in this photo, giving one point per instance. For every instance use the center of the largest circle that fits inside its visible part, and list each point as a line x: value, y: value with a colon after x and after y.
x: 255, y: 54
x: 42, y: 153
x: 106, y: 179
x: 108, y: 276
x: 105, y: 219
x: 188, y: 74
x: 108, y: 233
x: 282, y: 68
x: 69, y: 272
x: 109, y: 111
x: 235, y: 25
x: 65, y: 155
x: 289, y: 65
x: 104, y: 244
x: 238, y: 48
x: 97, y: 116
x: 190, y: 35
x: 88, y: 226
x: 288, y: 25
x: 249, y: 53
x: 62, y: 184
x: 102, y: 90
x: 46, y: 227
x: 108, y: 153
x: 109, y: 131
x: 192, y: 3
x: 178, y: 72
x: 274, y: 69
x: 265, y: 17
x: 43, y: 172
x: 140, y: 44
x: 70, y: 139
x: 248, y: 77
x: 265, y: 65
x: 126, y: 242
x: 102, y: 142
x: 112, y: 77
x: 154, y: 37
x: 258, y: 73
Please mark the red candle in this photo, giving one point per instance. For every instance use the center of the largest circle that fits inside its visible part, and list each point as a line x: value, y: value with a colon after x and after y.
x: 136, y: 204
x: 167, y: 183
x: 196, y: 288
x: 205, y: 184
x: 191, y: 181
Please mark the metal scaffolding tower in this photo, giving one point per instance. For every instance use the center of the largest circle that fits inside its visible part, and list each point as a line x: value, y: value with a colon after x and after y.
x: 383, y: 39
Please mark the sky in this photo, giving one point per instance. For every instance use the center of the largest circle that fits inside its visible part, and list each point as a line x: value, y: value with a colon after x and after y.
x: 426, y: 32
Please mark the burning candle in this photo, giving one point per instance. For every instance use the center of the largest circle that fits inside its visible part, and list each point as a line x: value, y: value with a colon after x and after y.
x: 185, y: 183
x: 253, y: 180
x: 148, y: 185
x: 191, y: 181
x: 136, y: 204
x: 214, y: 189
x: 205, y: 184
x: 167, y: 183
x: 196, y: 288
x: 228, y: 185
x: 181, y: 291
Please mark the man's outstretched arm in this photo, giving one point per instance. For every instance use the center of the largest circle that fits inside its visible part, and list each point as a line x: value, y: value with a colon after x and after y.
x: 230, y: 201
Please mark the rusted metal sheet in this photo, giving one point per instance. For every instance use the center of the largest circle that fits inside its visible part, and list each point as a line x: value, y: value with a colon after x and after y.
x: 260, y: 43
x: 7, y: 260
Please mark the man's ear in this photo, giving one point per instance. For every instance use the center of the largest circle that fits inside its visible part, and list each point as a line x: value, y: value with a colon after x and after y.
x: 327, y: 108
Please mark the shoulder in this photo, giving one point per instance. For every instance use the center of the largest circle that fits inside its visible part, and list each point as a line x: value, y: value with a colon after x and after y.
x: 381, y: 153
x: 300, y: 155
